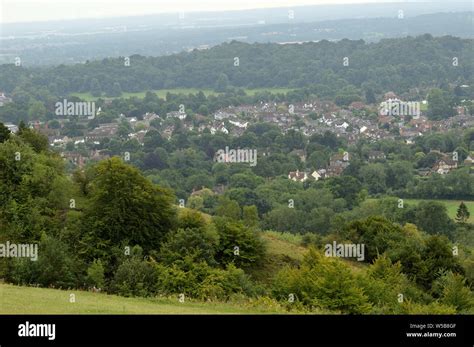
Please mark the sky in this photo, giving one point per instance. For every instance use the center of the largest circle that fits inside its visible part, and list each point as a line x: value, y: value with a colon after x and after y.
x: 45, y: 10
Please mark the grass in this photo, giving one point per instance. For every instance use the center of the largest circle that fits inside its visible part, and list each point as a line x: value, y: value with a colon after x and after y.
x: 282, y: 249
x: 31, y: 300
x: 451, y: 206
x: 284, y: 244
x: 183, y: 91
x: 294, y: 239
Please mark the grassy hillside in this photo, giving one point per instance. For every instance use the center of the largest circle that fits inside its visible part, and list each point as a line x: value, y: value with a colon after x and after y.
x: 282, y: 249
x: 30, y: 300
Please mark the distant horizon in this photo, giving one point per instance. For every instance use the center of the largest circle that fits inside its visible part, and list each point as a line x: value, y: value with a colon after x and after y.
x: 43, y: 11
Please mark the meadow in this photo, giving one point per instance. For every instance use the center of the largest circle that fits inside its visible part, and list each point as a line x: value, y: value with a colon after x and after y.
x: 183, y: 91
x: 451, y: 206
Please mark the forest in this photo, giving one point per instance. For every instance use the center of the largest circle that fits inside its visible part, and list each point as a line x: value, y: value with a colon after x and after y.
x: 391, y: 64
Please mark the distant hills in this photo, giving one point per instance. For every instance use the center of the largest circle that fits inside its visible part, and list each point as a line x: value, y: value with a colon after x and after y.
x: 56, y: 43
x: 390, y: 64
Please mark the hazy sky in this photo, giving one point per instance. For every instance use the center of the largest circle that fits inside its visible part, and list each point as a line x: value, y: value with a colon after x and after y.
x: 41, y: 10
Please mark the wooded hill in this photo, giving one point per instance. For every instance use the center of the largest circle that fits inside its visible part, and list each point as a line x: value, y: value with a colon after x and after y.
x: 392, y: 64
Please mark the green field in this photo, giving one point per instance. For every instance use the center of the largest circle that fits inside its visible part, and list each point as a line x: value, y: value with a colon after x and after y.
x: 31, y: 300
x: 451, y: 206
x: 162, y: 92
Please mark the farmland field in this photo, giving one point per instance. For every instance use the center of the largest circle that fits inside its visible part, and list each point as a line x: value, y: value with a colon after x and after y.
x: 162, y: 93
x: 451, y: 206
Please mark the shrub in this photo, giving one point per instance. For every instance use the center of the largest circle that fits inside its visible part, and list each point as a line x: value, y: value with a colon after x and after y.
x: 453, y: 291
x: 196, y: 237
x: 95, y: 274
x: 384, y: 282
x: 238, y: 244
x: 134, y: 276
x: 55, y: 266
x: 199, y: 280
x: 322, y: 283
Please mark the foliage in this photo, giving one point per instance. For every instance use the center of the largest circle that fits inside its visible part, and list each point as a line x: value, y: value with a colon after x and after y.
x: 126, y: 208
x: 238, y: 244
x: 324, y: 283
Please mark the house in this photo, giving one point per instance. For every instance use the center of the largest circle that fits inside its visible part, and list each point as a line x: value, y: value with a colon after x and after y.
x: 298, y: 176
x: 74, y: 157
x: 469, y: 160
x: 149, y: 117
x: 318, y: 174
x: 341, y: 124
x: 337, y: 164
x: 357, y: 105
x: 239, y: 125
x: 424, y: 172
x: 12, y: 127
x: 390, y: 95
x: 223, y: 115
x: 444, y: 166
x: 385, y: 119
x: 177, y: 114
x: 103, y: 131
x: 97, y: 155
x: 421, y: 124
x: 139, y: 136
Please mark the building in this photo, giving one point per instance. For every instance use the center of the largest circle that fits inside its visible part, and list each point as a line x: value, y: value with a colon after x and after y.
x: 469, y: 160
x: 12, y: 127
x: 104, y: 131
x: 444, y: 166
x: 298, y: 176
x: 337, y: 164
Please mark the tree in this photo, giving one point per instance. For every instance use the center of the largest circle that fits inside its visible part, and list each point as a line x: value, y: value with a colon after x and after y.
x: 439, y: 105
x: 374, y: 177
x: 55, y: 266
x: 454, y: 291
x: 462, y: 214
x: 37, y: 111
x: 228, y: 208
x: 370, y: 96
x: 222, y: 83
x: 116, y: 90
x: 432, y: 217
x: 195, y: 239
x: 33, y: 138
x: 438, y: 256
x: 250, y: 215
x: 4, y: 133
x: 376, y: 233
x: 322, y: 282
x: 95, y: 88
x: 346, y: 187
x: 238, y: 244
x: 126, y: 208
